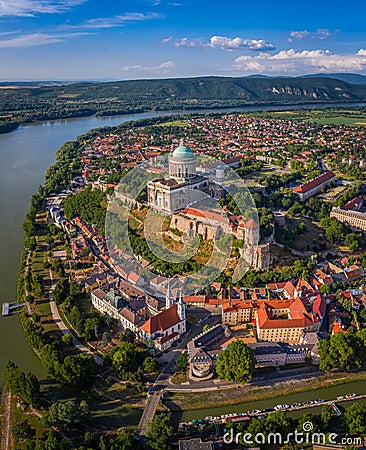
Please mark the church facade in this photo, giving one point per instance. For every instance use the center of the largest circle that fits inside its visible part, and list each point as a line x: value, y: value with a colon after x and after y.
x: 184, y: 186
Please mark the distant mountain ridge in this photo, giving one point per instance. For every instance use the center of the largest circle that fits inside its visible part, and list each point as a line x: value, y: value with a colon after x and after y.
x: 353, y: 78
x: 188, y: 90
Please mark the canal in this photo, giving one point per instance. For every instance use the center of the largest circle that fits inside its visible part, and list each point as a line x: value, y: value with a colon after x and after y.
x: 328, y: 393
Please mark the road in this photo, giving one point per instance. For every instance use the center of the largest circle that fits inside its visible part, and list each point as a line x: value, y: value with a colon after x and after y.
x: 162, y: 381
x: 64, y: 329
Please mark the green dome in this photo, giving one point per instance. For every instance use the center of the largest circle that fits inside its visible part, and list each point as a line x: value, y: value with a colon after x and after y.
x: 183, y: 152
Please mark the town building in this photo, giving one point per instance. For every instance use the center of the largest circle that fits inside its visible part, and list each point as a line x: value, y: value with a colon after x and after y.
x: 238, y: 311
x: 354, y: 219
x: 313, y: 187
x: 285, y: 320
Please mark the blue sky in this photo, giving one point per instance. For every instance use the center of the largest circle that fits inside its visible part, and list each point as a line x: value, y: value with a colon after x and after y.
x: 94, y: 39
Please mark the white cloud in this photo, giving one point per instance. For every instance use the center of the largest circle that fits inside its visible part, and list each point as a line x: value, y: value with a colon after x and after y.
x: 226, y: 43
x: 238, y: 43
x: 36, y: 39
x: 185, y: 42
x: 30, y: 8
x: 162, y: 68
x: 112, y: 22
x: 167, y: 39
x: 320, y: 34
x: 305, y: 61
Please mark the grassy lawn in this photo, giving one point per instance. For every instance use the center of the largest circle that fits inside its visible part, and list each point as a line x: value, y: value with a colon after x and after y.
x: 321, y: 117
x: 174, y: 123
x: 339, y: 120
x: 18, y: 414
x: 112, y: 405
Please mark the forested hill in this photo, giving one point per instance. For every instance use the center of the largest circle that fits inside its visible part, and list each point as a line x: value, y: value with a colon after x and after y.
x: 79, y: 99
x: 250, y: 90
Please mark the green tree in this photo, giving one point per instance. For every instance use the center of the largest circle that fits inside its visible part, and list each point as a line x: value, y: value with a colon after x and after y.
x: 67, y: 339
x: 344, y: 351
x: 159, y: 431
x: 355, y: 418
x: 123, y: 441
x: 326, y: 415
x: 77, y: 370
x: 124, y: 356
x: 324, y: 289
x: 236, y: 362
x: 66, y: 414
x: 23, y: 430
x: 151, y: 365
x: 182, y: 361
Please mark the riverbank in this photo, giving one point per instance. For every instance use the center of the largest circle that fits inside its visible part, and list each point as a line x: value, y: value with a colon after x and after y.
x: 251, y: 393
x: 274, y: 106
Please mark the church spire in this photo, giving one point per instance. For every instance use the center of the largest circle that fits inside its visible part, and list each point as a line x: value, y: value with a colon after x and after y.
x: 168, y: 298
x: 181, y: 307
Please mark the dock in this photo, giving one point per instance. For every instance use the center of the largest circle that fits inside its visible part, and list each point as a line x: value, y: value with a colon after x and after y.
x: 9, y: 308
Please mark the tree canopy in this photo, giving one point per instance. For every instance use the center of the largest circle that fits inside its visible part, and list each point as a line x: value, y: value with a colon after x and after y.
x: 236, y: 362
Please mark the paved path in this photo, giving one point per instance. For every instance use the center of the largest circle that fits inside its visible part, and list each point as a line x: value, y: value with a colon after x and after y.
x: 64, y: 329
x: 7, y: 416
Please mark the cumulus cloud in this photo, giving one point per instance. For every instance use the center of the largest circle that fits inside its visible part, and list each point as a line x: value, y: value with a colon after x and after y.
x: 238, y: 43
x: 302, y: 62
x: 226, y: 43
x: 162, y: 68
x: 36, y: 39
x: 320, y: 34
x: 30, y: 8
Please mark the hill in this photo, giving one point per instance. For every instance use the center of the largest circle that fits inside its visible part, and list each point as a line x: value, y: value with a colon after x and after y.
x: 27, y: 104
x: 353, y: 78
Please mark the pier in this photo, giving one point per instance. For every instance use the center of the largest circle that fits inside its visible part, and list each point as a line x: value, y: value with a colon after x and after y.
x: 9, y: 308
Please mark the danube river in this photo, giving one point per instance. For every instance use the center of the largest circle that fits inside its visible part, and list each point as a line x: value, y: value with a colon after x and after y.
x: 25, y: 155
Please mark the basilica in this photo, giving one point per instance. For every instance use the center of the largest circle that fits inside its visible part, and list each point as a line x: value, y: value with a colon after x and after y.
x: 183, y: 187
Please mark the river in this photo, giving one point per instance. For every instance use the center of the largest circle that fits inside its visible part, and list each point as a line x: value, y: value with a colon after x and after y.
x: 25, y: 155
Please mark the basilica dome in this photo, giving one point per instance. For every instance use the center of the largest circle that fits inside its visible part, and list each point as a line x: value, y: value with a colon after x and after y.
x: 183, y: 152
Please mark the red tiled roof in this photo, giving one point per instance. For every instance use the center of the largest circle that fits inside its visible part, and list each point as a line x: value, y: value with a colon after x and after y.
x: 352, y: 203
x: 298, y: 318
x: 206, y: 214
x: 167, y: 338
x: 162, y: 321
x: 314, y: 183
x: 194, y: 298
x: 251, y: 224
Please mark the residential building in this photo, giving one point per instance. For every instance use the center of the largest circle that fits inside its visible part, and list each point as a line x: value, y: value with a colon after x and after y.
x: 354, y: 219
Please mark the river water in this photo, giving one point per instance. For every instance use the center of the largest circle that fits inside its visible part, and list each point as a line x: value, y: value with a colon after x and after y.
x: 25, y: 155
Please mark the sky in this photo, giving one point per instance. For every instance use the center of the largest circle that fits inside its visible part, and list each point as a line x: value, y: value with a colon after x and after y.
x: 134, y: 39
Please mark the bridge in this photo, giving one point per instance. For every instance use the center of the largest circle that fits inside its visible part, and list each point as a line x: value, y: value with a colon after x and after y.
x: 9, y: 308
x: 336, y: 409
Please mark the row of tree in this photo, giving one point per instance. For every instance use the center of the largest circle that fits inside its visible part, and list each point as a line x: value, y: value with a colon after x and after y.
x: 343, y: 350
